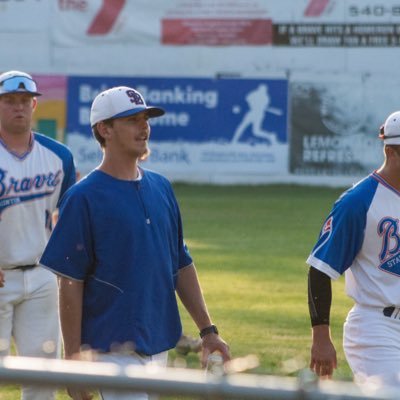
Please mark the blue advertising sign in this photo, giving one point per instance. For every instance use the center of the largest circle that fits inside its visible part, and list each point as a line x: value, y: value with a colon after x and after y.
x: 223, y: 121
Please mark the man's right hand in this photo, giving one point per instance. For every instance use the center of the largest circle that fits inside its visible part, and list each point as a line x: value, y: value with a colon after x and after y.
x: 79, y: 394
x: 323, y: 353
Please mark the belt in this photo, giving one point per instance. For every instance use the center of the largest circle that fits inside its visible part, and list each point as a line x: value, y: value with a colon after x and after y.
x: 389, y: 311
x: 24, y: 267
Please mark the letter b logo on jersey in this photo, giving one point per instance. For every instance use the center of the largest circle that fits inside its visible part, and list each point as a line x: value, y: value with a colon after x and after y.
x: 388, y: 229
x: 135, y: 97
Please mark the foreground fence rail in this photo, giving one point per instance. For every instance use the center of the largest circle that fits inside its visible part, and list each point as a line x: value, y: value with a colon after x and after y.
x: 183, y: 382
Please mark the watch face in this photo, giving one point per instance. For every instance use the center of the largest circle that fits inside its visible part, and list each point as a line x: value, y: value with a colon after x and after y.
x: 209, y: 329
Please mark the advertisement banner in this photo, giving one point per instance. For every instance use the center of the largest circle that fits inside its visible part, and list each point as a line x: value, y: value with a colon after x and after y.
x: 339, y: 136
x: 298, y: 23
x: 175, y: 22
x: 212, y: 32
x: 49, y: 116
x: 337, y: 35
x: 343, y: 23
x: 213, y: 130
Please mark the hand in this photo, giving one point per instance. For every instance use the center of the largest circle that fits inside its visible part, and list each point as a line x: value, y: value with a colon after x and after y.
x: 2, y: 279
x: 75, y: 393
x: 79, y: 394
x: 211, y: 343
x: 323, y: 353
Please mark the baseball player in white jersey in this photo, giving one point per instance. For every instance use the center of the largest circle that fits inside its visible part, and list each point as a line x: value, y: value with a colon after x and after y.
x: 35, y: 171
x: 361, y: 238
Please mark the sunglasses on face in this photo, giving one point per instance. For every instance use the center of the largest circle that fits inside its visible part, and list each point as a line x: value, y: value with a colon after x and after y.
x: 18, y: 84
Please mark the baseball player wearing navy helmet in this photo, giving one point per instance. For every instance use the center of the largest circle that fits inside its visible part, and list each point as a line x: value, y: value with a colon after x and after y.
x: 361, y: 238
x: 35, y: 171
x: 119, y: 250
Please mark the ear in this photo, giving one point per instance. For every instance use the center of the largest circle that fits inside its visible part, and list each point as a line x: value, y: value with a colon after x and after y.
x: 104, y: 130
x: 391, y: 152
x: 34, y: 103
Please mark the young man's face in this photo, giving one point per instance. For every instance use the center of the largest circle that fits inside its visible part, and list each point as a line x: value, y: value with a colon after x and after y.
x: 130, y: 135
x: 16, y: 111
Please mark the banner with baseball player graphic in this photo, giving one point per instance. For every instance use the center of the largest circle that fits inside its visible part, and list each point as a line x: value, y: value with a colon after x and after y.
x: 214, y: 130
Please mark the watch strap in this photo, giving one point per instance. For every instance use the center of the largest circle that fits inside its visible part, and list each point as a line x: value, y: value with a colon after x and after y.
x: 207, y: 330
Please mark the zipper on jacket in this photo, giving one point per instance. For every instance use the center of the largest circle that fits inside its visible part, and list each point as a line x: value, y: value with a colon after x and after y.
x: 146, y: 214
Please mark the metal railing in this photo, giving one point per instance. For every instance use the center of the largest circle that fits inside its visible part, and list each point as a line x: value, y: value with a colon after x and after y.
x: 182, y: 382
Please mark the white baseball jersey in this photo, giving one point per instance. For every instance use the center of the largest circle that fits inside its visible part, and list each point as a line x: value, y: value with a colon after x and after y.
x: 361, y: 237
x: 30, y: 188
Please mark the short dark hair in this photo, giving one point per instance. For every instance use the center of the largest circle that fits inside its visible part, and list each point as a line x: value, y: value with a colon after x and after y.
x: 97, y: 135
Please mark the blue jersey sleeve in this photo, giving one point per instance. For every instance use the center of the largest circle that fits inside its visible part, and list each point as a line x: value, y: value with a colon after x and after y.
x: 185, y: 258
x: 342, y: 234
x: 69, y: 250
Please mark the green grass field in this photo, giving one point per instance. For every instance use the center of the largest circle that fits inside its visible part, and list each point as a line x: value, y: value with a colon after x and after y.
x: 249, y: 244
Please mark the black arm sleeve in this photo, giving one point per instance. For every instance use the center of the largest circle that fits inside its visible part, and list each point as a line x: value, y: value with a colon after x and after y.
x: 319, y: 297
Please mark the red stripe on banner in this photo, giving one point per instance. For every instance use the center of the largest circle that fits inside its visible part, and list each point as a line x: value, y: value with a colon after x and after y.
x: 106, y: 17
x: 315, y: 8
x: 215, y: 32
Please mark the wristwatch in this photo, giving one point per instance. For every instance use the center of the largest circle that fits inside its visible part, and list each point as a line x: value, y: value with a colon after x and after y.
x: 209, y: 329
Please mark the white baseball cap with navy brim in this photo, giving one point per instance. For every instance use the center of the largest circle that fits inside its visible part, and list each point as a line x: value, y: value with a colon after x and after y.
x: 390, y: 130
x: 17, y: 82
x: 118, y: 102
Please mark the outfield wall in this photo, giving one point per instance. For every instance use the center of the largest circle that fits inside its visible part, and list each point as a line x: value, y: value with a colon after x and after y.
x: 256, y: 91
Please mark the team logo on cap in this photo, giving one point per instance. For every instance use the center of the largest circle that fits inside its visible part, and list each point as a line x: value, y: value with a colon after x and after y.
x: 135, y: 97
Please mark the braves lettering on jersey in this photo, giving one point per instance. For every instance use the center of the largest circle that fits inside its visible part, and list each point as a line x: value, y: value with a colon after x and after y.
x: 361, y: 237
x: 30, y: 189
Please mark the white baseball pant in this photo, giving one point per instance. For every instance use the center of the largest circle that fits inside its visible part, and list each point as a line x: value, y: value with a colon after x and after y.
x: 372, y: 347
x: 29, y: 314
x: 159, y: 360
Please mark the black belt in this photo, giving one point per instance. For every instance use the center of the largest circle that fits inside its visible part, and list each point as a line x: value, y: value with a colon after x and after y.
x: 25, y: 267
x: 388, y: 311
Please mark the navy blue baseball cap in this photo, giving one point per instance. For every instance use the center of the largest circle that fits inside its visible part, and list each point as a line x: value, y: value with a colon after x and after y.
x: 118, y: 102
x: 17, y: 82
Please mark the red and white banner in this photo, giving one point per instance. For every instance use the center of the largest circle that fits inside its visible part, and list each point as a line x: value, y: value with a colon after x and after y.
x: 175, y: 22
x: 214, y: 32
x: 323, y: 23
x: 295, y: 23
